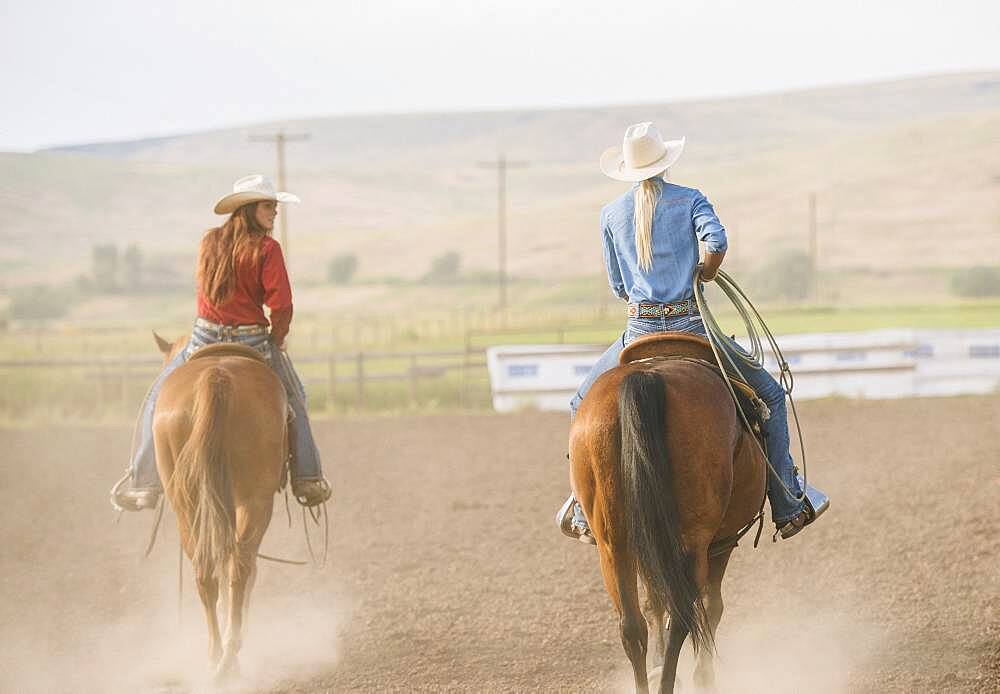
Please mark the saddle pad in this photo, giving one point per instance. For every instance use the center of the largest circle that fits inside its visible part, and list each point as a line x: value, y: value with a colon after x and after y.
x: 677, y: 345
x: 228, y: 349
x: 667, y: 344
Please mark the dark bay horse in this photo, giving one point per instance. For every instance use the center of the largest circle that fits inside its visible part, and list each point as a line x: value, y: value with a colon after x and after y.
x: 663, y: 468
x: 220, y: 434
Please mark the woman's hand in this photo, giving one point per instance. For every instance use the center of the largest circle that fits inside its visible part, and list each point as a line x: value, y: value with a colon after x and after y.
x: 710, y: 268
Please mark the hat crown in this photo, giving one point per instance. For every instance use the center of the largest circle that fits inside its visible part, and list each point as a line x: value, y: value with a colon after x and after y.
x: 255, y: 183
x: 642, y: 145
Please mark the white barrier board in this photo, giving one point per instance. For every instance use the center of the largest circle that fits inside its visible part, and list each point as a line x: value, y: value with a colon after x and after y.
x: 874, y: 364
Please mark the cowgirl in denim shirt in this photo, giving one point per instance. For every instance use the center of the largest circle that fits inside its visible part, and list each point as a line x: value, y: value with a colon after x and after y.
x: 651, y: 236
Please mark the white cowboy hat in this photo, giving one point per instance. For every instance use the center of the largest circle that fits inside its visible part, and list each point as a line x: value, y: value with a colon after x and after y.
x: 643, y: 154
x: 251, y: 188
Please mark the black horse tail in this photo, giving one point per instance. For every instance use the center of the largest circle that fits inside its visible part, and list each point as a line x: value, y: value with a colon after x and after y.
x: 651, y: 513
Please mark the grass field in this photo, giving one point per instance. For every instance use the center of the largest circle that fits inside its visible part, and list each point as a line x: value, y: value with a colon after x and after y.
x: 412, y: 362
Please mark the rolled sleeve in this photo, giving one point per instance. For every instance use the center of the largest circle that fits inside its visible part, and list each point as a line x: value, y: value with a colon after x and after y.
x: 611, y: 261
x: 707, y: 226
x: 280, y: 321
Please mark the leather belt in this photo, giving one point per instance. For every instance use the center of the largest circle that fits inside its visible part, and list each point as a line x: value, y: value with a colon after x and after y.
x: 662, y: 310
x: 230, y: 330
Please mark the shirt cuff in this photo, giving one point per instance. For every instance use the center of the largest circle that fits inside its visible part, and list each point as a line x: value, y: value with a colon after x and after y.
x: 280, y: 320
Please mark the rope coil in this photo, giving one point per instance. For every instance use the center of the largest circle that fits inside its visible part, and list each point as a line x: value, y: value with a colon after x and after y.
x: 755, y: 359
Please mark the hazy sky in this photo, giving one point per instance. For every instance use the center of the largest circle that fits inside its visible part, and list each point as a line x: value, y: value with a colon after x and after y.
x: 75, y: 72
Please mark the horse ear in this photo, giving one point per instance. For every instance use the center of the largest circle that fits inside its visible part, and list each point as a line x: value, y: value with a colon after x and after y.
x: 164, y: 346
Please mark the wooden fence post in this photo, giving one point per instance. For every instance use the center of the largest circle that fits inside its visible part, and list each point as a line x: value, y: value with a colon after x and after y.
x: 361, y: 379
x: 413, y: 380
x: 123, y: 393
x: 331, y: 383
x: 463, y: 394
x: 102, y: 377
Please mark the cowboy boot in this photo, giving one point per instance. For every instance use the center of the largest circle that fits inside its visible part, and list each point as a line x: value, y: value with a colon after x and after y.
x: 312, y: 491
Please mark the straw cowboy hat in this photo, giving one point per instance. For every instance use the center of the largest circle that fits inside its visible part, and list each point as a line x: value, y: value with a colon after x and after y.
x: 253, y: 188
x: 643, y: 154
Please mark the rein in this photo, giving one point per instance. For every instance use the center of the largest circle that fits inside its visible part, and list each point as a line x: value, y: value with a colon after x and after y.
x: 315, y: 515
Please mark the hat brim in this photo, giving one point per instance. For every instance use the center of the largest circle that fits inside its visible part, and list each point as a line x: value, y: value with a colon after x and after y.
x: 613, y: 162
x: 233, y: 201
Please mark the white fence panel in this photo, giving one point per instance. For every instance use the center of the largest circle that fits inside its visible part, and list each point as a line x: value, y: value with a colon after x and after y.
x: 873, y: 364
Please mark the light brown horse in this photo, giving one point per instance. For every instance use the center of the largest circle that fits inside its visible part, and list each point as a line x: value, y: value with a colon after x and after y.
x: 220, y: 434
x: 663, y: 468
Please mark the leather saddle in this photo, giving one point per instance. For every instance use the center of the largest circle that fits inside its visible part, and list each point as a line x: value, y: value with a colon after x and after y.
x: 227, y: 349
x: 696, y: 349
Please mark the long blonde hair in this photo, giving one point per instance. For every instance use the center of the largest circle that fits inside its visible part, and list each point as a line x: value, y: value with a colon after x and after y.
x: 646, y: 196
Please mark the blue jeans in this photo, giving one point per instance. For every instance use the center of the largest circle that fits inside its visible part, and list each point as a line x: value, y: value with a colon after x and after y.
x: 783, y: 505
x: 305, y: 459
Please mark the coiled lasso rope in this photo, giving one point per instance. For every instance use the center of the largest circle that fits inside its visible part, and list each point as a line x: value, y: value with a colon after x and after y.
x: 755, y: 359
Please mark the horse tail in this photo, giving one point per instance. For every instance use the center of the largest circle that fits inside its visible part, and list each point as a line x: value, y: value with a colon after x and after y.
x: 651, y: 512
x: 200, y: 482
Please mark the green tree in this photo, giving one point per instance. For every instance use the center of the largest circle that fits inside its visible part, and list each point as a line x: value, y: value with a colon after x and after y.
x: 104, y: 267
x: 341, y: 268
x: 977, y: 282
x: 444, y: 268
x: 132, y: 268
x: 39, y: 302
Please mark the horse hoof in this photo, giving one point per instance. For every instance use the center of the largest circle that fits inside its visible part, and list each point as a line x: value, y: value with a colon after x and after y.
x: 228, y: 670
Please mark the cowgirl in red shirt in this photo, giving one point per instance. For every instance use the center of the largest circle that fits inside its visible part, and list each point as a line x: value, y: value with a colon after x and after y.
x: 240, y: 270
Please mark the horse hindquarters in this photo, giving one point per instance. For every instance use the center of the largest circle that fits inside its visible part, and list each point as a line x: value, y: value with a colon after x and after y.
x: 650, y: 508
x: 200, y: 488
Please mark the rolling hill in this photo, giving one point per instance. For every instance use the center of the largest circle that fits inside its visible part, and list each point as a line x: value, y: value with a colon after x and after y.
x: 906, y: 174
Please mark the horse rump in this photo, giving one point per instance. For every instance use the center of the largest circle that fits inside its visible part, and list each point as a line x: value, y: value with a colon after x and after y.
x: 651, y: 515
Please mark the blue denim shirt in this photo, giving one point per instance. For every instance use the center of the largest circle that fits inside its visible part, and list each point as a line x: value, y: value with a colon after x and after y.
x: 683, y: 217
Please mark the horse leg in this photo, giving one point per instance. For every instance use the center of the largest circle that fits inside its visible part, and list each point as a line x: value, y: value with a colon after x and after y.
x: 621, y: 581
x: 657, y: 618
x: 676, y: 633
x: 208, y: 591
x: 251, y: 582
x: 250, y: 524
x: 704, y: 672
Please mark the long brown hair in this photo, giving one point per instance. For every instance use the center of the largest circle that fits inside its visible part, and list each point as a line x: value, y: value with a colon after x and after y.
x: 225, y: 248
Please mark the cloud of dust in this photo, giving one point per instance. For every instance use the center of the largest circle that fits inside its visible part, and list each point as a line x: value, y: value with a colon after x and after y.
x: 815, y: 652
x: 286, y: 636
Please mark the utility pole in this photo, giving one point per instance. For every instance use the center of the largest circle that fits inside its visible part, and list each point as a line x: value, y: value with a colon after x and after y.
x: 813, y: 250
x: 279, y: 139
x: 501, y: 165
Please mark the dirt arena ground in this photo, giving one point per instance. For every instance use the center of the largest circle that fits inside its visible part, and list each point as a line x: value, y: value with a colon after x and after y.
x: 446, y: 572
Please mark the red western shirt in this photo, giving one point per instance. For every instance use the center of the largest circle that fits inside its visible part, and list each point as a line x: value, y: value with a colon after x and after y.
x: 260, y: 284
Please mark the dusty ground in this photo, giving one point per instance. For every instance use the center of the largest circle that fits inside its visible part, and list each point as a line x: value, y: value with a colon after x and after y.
x: 446, y: 571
